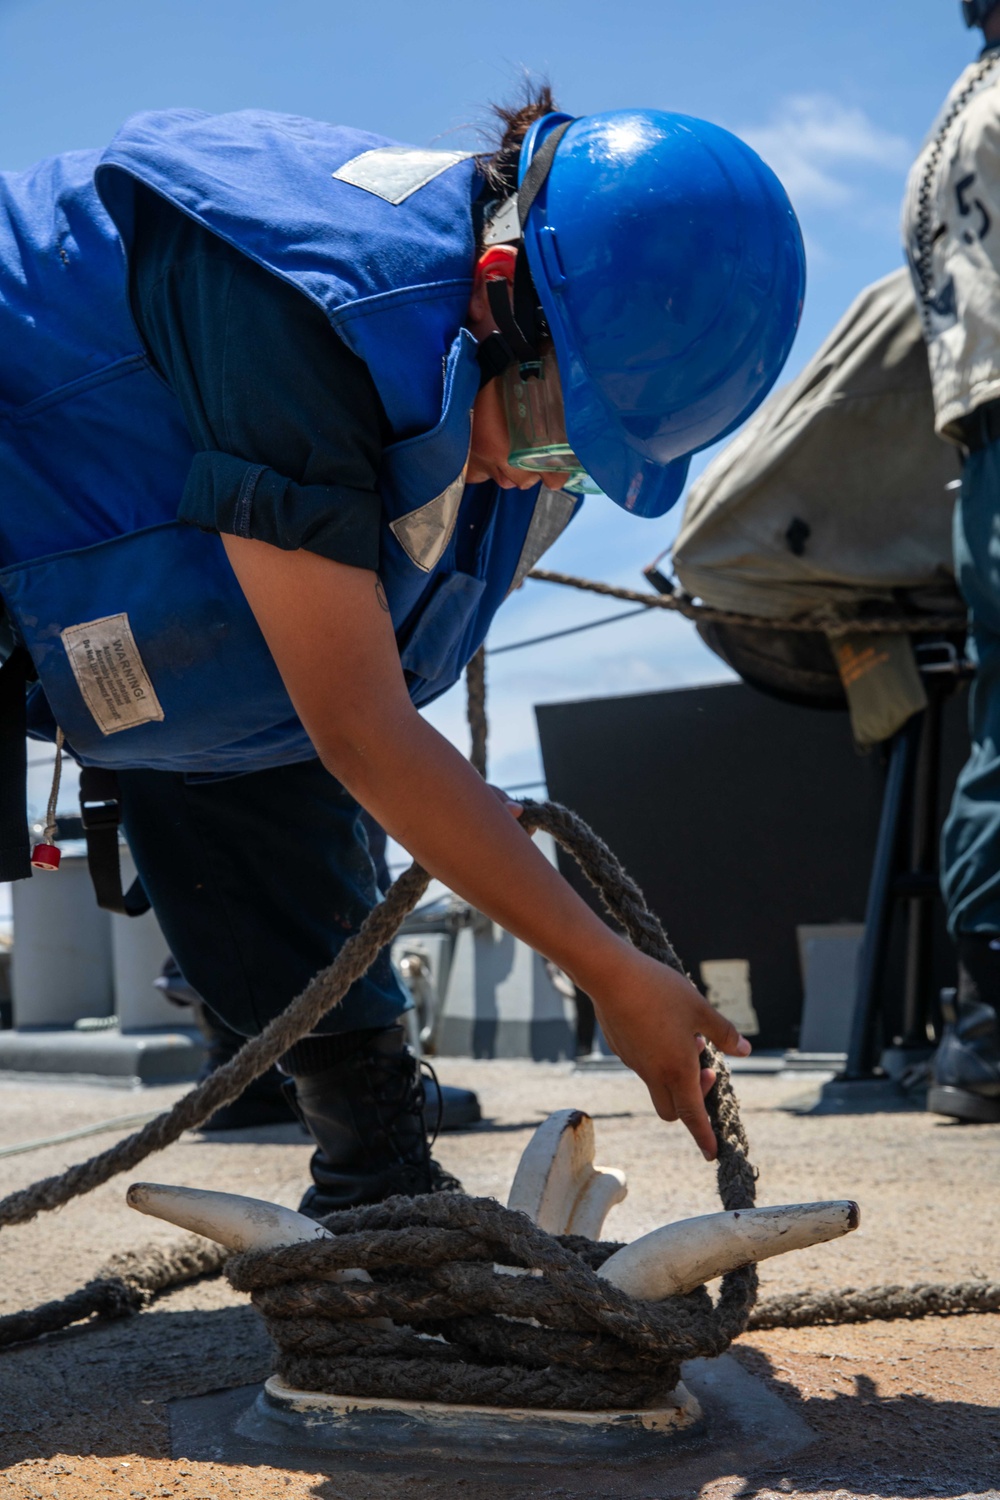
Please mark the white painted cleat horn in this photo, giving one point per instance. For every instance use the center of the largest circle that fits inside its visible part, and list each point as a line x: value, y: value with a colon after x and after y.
x: 557, y: 1184
x: 233, y: 1221
x: 236, y: 1222
x: 681, y: 1256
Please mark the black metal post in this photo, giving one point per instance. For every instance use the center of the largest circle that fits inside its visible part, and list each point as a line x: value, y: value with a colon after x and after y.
x: 922, y: 879
x: 862, y: 1050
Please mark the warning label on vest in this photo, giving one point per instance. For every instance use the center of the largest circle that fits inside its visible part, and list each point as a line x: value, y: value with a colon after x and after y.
x: 109, y: 672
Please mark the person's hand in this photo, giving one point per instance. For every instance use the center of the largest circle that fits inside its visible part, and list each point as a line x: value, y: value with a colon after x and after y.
x: 657, y: 1022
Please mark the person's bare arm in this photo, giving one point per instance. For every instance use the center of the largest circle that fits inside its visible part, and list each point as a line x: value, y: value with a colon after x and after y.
x: 329, y: 631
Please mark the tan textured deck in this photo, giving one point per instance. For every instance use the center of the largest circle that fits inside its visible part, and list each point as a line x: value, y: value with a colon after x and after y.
x: 907, y: 1410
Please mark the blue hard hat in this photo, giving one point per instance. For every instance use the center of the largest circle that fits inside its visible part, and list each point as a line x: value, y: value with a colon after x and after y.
x: 669, y: 264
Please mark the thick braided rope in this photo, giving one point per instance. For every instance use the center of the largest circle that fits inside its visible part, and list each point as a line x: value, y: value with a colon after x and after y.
x: 595, y: 1348
x: 941, y: 1299
x: 625, y: 903
x: 119, y: 1291
x: 112, y: 1294
x: 826, y: 622
x: 560, y: 1337
x: 128, y: 1283
x: 475, y: 683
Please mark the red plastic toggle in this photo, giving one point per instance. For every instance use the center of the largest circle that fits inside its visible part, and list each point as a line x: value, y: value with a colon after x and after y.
x: 46, y: 857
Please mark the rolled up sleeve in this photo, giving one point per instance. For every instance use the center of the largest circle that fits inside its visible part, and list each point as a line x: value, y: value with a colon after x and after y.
x: 226, y: 494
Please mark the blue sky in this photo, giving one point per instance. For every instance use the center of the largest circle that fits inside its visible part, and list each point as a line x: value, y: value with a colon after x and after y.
x: 836, y: 97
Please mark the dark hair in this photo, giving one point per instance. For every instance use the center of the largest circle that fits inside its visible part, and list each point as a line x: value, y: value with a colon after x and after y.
x: 511, y: 124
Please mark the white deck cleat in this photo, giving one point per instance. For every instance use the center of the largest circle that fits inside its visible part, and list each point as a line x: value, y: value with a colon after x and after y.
x: 227, y: 1218
x: 557, y: 1184
x: 560, y: 1189
x: 236, y: 1222
x: 681, y: 1256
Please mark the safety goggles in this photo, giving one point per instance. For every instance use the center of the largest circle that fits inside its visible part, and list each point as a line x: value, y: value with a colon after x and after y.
x: 536, y: 420
x: 521, y: 356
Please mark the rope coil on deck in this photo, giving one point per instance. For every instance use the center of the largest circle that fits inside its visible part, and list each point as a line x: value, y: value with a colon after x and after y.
x: 558, y: 1337
x: 625, y: 903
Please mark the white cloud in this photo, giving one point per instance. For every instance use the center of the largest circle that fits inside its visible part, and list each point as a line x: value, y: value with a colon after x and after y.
x: 816, y: 144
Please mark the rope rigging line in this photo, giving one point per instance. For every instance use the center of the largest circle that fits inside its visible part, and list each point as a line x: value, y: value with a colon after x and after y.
x: 560, y: 1338
x: 826, y: 622
x: 475, y: 686
x: 555, y: 635
x: 619, y: 892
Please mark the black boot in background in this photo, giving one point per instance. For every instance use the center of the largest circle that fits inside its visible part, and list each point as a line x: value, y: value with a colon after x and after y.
x: 262, y: 1102
x: 965, y: 1081
x: 361, y: 1097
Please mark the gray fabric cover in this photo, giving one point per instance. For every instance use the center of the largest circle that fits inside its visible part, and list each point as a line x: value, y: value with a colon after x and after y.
x: 847, y: 450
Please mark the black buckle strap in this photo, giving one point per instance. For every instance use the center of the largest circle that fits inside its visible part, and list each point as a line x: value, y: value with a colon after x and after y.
x: 100, y: 814
x: 528, y: 308
x: 494, y: 355
x: 518, y: 341
x: 523, y: 326
x: 15, y: 847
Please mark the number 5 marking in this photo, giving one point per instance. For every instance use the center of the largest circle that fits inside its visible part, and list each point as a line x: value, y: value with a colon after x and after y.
x: 965, y: 208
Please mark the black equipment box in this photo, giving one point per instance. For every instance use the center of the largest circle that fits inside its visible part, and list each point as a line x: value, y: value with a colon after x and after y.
x: 742, y: 818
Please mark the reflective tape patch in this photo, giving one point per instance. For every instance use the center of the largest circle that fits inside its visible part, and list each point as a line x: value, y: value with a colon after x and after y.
x: 552, y: 514
x: 394, y: 172
x: 110, y: 674
x: 425, y: 533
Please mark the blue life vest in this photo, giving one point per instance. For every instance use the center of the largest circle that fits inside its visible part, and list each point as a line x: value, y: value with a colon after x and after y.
x: 146, y: 650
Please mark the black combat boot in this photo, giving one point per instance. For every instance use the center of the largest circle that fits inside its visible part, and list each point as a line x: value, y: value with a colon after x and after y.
x: 965, y: 1082
x: 361, y: 1098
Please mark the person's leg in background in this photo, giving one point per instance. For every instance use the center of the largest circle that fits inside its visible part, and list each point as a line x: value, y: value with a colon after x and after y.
x: 966, y: 1072
x: 257, y: 881
x: 446, y: 1106
x: 264, y: 1101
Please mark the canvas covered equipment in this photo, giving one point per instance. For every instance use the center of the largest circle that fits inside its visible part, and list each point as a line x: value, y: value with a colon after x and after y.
x: 836, y: 498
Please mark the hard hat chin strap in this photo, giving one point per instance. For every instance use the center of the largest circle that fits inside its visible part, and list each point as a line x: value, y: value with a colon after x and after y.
x: 521, y: 327
x: 541, y: 165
